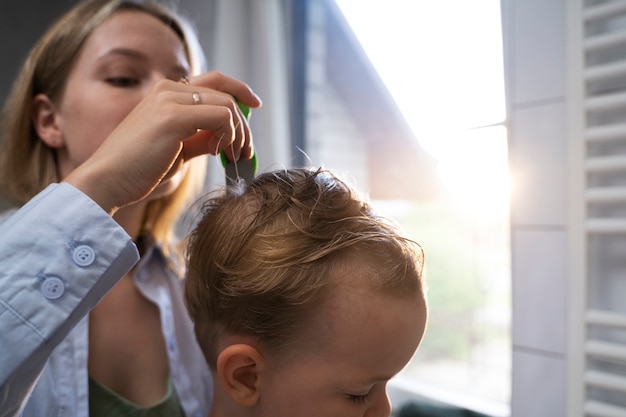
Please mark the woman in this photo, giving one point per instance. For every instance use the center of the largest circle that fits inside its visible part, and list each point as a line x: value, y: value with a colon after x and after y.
x: 99, y: 107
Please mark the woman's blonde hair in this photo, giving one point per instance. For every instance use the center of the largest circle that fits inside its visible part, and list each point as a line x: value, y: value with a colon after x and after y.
x: 263, y: 255
x: 27, y: 164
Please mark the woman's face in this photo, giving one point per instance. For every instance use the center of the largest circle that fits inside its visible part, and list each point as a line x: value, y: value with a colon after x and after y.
x: 117, y: 66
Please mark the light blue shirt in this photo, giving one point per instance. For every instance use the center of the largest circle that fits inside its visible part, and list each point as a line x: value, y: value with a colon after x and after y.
x: 59, y: 255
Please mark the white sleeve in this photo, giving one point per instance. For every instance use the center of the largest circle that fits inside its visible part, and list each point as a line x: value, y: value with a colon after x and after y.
x: 59, y: 255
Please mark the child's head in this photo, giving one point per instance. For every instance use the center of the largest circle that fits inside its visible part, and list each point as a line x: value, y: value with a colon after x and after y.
x: 305, y: 301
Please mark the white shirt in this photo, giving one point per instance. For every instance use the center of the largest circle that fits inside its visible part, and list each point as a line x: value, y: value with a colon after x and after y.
x: 59, y: 255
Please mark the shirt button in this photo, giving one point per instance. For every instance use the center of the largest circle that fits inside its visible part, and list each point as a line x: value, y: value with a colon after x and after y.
x: 83, y: 255
x: 52, y: 288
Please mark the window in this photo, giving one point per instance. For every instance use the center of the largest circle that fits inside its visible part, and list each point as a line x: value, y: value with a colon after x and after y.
x: 442, y: 63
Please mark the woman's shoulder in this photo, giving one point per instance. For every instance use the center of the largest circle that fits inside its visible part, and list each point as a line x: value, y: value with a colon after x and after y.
x: 5, y: 213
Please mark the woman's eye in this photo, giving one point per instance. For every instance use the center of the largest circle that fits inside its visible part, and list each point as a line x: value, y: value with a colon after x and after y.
x: 122, y: 81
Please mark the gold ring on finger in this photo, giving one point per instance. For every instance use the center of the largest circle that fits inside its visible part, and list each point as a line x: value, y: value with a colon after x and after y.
x: 196, y: 97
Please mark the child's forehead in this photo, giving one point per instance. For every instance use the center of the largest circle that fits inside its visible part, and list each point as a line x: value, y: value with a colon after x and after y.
x: 355, y: 325
x: 356, y: 304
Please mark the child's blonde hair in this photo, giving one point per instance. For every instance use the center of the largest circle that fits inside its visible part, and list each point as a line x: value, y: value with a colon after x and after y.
x: 263, y: 255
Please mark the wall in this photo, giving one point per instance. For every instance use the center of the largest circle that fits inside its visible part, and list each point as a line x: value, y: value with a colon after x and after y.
x: 534, y: 47
x: 19, y: 29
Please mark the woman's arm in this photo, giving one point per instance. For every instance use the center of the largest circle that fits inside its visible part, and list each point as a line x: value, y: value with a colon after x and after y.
x: 59, y: 255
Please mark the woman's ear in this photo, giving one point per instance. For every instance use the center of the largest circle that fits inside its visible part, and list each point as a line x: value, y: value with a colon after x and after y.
x: 45, y: 121
x: 239, y: 369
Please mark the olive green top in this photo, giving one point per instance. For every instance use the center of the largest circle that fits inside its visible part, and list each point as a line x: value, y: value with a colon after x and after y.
x: 105, y: 403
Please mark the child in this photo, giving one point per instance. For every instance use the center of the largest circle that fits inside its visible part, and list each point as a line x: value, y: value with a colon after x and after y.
x: 305, y: 301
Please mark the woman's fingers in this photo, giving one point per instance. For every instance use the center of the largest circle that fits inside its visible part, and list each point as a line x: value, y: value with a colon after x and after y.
x: 230, y: 128
x: 215, y: 80
x: 214, y: 142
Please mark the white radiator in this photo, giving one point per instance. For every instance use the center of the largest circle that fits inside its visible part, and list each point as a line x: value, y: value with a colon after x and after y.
x: 597, y: 207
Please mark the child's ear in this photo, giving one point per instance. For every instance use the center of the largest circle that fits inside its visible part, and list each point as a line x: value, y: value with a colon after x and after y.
x: 238, y: 369
x: 45, y: 121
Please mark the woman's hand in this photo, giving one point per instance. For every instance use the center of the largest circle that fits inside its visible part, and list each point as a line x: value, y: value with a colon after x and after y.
x: 170, y: 126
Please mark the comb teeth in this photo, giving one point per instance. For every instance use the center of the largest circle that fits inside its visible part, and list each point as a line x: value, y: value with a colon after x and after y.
x: 242, y: 170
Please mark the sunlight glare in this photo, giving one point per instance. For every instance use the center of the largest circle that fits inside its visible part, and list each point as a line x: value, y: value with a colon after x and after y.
x: 476, y: 173
x: 442, y: 63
